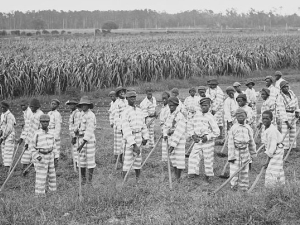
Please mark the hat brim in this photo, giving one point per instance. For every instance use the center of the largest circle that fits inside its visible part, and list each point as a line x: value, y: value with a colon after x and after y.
x: 250, y: 83
x: 71, y: 103
x: 118, y: 90
x: 84, y: 103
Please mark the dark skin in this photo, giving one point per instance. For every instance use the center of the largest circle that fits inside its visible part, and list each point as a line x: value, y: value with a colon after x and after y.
x: 173, y: 94
x: 113, y: 98
x: 264, y: 96
x: 149, y: 97
x: 204, y: 108
x: 122, y: 94
x: 268, y: 82
x: 54, y: 105
x: 285, y: 90
x: 202, y: 93
x: 277, y: 77
x: 136, y: 149
x: 241, y: 118
x: 238, y: 89
x: 165, y: 99
x: 192, y: 93
x: 231, y: 95
x: 212, y: 86
x: 250, y: 85
x: 24, y: 107
x: 85, y: 108
x: 267, y: 120
x: 172, y: 107
x: 241, y: 102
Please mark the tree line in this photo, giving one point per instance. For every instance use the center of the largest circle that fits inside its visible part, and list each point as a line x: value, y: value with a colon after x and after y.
x: 52, y: 19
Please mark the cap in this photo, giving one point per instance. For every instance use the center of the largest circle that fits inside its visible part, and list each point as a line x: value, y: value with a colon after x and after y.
x: 44, y: 117
x: 203, y: 100
x: 240, y: 111
x: 213, y: 81
x: 175, y: 90
x: 131, y: 93
x: 243, y: 96
x: 173, y: 100
x: 35, y: 103
x: 85, y: 100
x: 203, y: 88
x: 283, y: 83
x: 230, y: 88
x: 250, y: 82
x: 120, y: 89
x: 192, y: 89
x: 112, y: 93
x: 55, y: 100
x: 266, y: 90
x: 236, y: 84
x: 269, y: 77
x: 278, y: 73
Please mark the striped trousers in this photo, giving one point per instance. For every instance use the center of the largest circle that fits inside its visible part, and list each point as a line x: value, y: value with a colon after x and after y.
x: 150, y: 142
x: 44, y: 168
x: 7, y: 149
x: 177, y: 157
x: 129, y: 156
x: 275, y: 173
x: 205, y: 151
x: 291, y: 133
x: 26, y: 158
x: 242, y: 178
x: 118, y: 141
x: 219, y: 117
x: 87, y: 154
x: 58, y: 144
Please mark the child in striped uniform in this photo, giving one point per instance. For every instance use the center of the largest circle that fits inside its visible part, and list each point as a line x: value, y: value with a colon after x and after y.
x: 242, y: 102
x: 175, y: 93
x: 86, y: 139
x: 230, y: 106
x: 26, y: 112
x: 135, y: 134
x: 7, y: 135
x: 251, y: 99
x: 274, y: 150
x: 201, y: 92
x: 215, y: 93
x: 30, y: 129
x: 55, y: 122
x: 274, y: 92
x: 119, y: 106
x: 290, y: 102
x: 74, y: 121
x: 241, y: 148
x: 164, y: 114
x: 237, y: 88
x: 174, y: 132
x: 148, y: 106
x: 204, y: 129
x: 113, y: 98
x: 44, y: 156
x: 191, y: 104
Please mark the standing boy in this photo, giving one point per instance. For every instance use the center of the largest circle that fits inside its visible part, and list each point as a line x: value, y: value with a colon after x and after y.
x: 148, y: 106
x: 251, y: 99
x: 203, y: 129
x: 26, y: 112
x: 113, y: 98
x: 272, y: 139
x: 242, y: 102
x: 241, y: 148
x: 174, y: 132
x: 45, y: 157
x: 135, y: 134
x: 230, y: 106
x: 164, y: 114
x: 191, y: 104
x: 55, y: 122
x: 7, y: 135
x: 86, y: 139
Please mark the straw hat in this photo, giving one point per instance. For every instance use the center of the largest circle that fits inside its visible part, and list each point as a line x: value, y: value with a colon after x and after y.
x: 85, y: 100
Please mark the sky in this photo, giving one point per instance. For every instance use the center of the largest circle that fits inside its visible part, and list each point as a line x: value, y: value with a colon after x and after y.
x: 170, y: 6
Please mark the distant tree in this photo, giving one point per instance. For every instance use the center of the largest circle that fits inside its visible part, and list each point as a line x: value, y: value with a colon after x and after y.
x: 38, y: 24
x: 38, y: 32
x: 63, y: 32
x: 45, y: 32
x: 54, y: 32
x: 15, y: 32
x: 108, y: 26
x: 3, y: 33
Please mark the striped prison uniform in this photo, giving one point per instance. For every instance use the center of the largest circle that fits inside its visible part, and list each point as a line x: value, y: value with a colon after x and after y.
x: 119, y: 106
x: 74, y: 121
x: 241, y: 147
x: 274, y: 92
x: 288, y: 114
x: 111, y: 113
x: 203, y: 124
x: 148, y: 108
x: 43, y: 145
x: 164, y: 114
x: 251, y: 98
x: 274, y: 173
x: 8, y: 122
x: 55, y: 125
x: 191, y: 106
x: 249, y: 119
x: 230, y: 107
x: 28, y: 133
x: 26, y: 116
x: 277, y: 83
x: 177, y: 123
x: 134, y: 131
x: 86, y: 129
x: 217, y: 97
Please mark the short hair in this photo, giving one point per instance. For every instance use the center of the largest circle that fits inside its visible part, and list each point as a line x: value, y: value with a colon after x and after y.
x: 166, y: 93
x: 268, y: 112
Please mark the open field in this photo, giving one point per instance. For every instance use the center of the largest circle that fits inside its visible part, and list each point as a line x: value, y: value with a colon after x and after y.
x: 151, y: 202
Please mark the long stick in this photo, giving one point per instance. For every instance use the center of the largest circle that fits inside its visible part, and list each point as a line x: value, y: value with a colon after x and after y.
x: 26, y: 169
x: 151, y: 151
x: 125, y: 178
x: 151, y: 121
x: 221, y: 154
x: 73, y: 158
x: 190, y: 148
x: 291, y: 146
x: 256, y: 180
x: 232, y: 176
x: 13, y: 159
x: 224, y: 169
x: 12, y: 170
x: 169, y: 169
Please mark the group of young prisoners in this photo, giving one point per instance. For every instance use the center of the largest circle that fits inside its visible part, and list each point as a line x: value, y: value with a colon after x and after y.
x: 202, y: 118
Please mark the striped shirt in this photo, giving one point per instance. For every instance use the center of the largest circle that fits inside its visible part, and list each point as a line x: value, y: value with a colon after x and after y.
x: 74, y: 121
x: 119, y: 106
x: 274, y: 92
x: 249, y: 112
x: 217, y: 97
x: 277, y: 83
x: 33, y: 125
x: 148, y: 107
x: 87, y: 126
x: 230, y: 107
x: 240, y: 137
x: 271, y: 137
x: 133, y: 122
x: 44, y: 142
x: 8, y: 123
x: 268, y: 104
x: 55, y: 123
x: 286, y: 103
x: 191, y: 105
x: 203, y: 124
x: 176, y: 122
x: 26, y: 115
